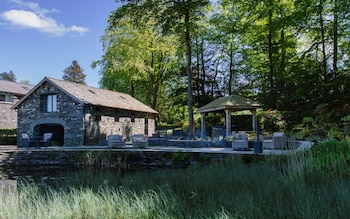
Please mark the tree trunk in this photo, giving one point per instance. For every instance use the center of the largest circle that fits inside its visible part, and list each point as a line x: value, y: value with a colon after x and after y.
x: 335, y: 38
x: 323, y: 43
x: 189, y: 77
x: 132, y: 89
x: 270, y: 56
x: 230, y: 78
x: 198, y: 72
x: 203, y: 76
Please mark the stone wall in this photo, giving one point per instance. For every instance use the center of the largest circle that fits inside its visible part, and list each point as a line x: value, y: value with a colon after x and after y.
x: 100, y: 122
x: 108, y: 158
x: 69, y: 114
x: 8, y: 116
x: 83, y: 124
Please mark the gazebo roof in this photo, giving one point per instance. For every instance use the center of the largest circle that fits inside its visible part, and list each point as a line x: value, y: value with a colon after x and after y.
x: 232, y: 102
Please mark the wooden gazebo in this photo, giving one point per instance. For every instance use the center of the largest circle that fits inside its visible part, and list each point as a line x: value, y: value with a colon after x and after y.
x: 228, y: 104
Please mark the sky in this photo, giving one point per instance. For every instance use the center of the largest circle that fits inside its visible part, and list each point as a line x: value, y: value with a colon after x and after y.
x: 40, y: 38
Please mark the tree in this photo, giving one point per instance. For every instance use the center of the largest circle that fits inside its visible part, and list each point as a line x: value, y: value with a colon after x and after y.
x: 10, y: 76
x: 289, y: 55
x: 226, y: 32
x: 180, y: 16
x: 138, y: 58
x: 25, y: 82
x: 175, y: 17
x: 74, y: 73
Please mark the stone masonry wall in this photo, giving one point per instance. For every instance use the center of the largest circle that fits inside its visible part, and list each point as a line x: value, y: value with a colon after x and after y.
x: 108, y: 158
x: 83, y: 124
x: 8, y: 119
x: 69, y: 114
x: 100, y: 122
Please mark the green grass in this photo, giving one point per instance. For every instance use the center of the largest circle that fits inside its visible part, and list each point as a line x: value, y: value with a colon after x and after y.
x: 298, y: 186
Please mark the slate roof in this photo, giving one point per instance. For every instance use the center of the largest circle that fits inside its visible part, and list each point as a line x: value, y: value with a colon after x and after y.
x: 14, y: 87
x: 232, y: 102
x: 96, y: 96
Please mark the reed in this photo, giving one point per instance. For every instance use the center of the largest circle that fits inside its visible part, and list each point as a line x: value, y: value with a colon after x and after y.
x: 279, y: 187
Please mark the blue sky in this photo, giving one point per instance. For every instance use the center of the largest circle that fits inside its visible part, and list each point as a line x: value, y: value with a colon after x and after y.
x: 42, y: 37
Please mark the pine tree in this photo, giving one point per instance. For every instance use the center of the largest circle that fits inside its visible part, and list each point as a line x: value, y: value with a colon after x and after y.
x: 74, y: 73
x: 8, y: 76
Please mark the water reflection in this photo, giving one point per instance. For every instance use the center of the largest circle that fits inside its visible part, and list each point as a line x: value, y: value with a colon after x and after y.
x: 66, y: 176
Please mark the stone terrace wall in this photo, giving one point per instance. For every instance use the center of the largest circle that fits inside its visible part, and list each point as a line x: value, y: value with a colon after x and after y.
x: 108, y: 158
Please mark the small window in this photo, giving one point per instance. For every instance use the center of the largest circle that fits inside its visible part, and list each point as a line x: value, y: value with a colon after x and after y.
x: 49, y: 103
x: 6, y: 98
x: 2, y: 97
x: 146, y: 126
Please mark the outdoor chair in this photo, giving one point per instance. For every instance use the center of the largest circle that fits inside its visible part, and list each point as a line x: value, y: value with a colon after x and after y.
x: 239, y: 141
x: 277, y: 141
x: 27, y: 141
x: 46, y: 139
x: 116, y: 141
x: 139, y: 141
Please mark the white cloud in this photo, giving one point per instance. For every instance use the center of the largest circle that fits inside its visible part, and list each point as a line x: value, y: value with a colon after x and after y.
x: 34, y: 17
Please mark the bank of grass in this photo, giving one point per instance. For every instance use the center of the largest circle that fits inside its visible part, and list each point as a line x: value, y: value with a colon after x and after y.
x: 304, y: 185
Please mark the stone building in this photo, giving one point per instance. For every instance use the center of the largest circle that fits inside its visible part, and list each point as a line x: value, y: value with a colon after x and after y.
x: 10, y: 93
x: 77, y: 114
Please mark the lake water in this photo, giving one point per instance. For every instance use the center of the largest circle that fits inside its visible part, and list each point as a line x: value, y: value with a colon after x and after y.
x: 86, y: 176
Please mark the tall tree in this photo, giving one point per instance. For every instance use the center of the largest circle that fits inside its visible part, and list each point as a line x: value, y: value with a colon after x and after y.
x: 74, y: 73
x: 226, y: 33
x: 180, y: 16
x: 269, y: 43
x: 138, y: 58
x: 175, y: 17
x: 8, y: 76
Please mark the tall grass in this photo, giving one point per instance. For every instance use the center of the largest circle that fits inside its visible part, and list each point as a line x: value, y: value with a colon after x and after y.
x: 295, y: 186
x: 30, y: 202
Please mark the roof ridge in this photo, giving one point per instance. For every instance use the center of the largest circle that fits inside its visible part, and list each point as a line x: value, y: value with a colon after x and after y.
x: 94, y: 96
x: 65, y: 81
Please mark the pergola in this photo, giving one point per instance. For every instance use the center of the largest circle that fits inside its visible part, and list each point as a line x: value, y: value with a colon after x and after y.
x: 228, y: 104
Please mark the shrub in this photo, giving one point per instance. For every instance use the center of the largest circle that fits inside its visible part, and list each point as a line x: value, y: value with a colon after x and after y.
x: 271, y: 121
x: 8, y: 136
x: 331, y: 157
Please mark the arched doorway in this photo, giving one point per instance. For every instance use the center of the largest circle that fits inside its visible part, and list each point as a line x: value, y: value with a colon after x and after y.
x: 56, y: 129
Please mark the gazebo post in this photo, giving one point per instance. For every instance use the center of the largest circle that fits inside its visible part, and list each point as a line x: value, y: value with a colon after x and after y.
x: 256, y: 143
x: 203, y: 134
x: 255, y: 123
x: 253, y: 111
x: 228, y: 122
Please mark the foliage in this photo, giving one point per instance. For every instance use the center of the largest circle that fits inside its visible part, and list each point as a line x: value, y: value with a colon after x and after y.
x: 346, y: 124
x: 290, y: 56
x: 74, y: 73
x: 271, y: 121
x: 331, y: 158
x: 180, y: 158
x: 181, y: 17
x: 240, y: 188
x: 138, y: 59
x: 8, y: 76
x: 161, y: 19
x: 8, y: 136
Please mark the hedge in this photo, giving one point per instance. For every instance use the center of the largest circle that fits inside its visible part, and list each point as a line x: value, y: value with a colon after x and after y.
x: 8, y: 136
